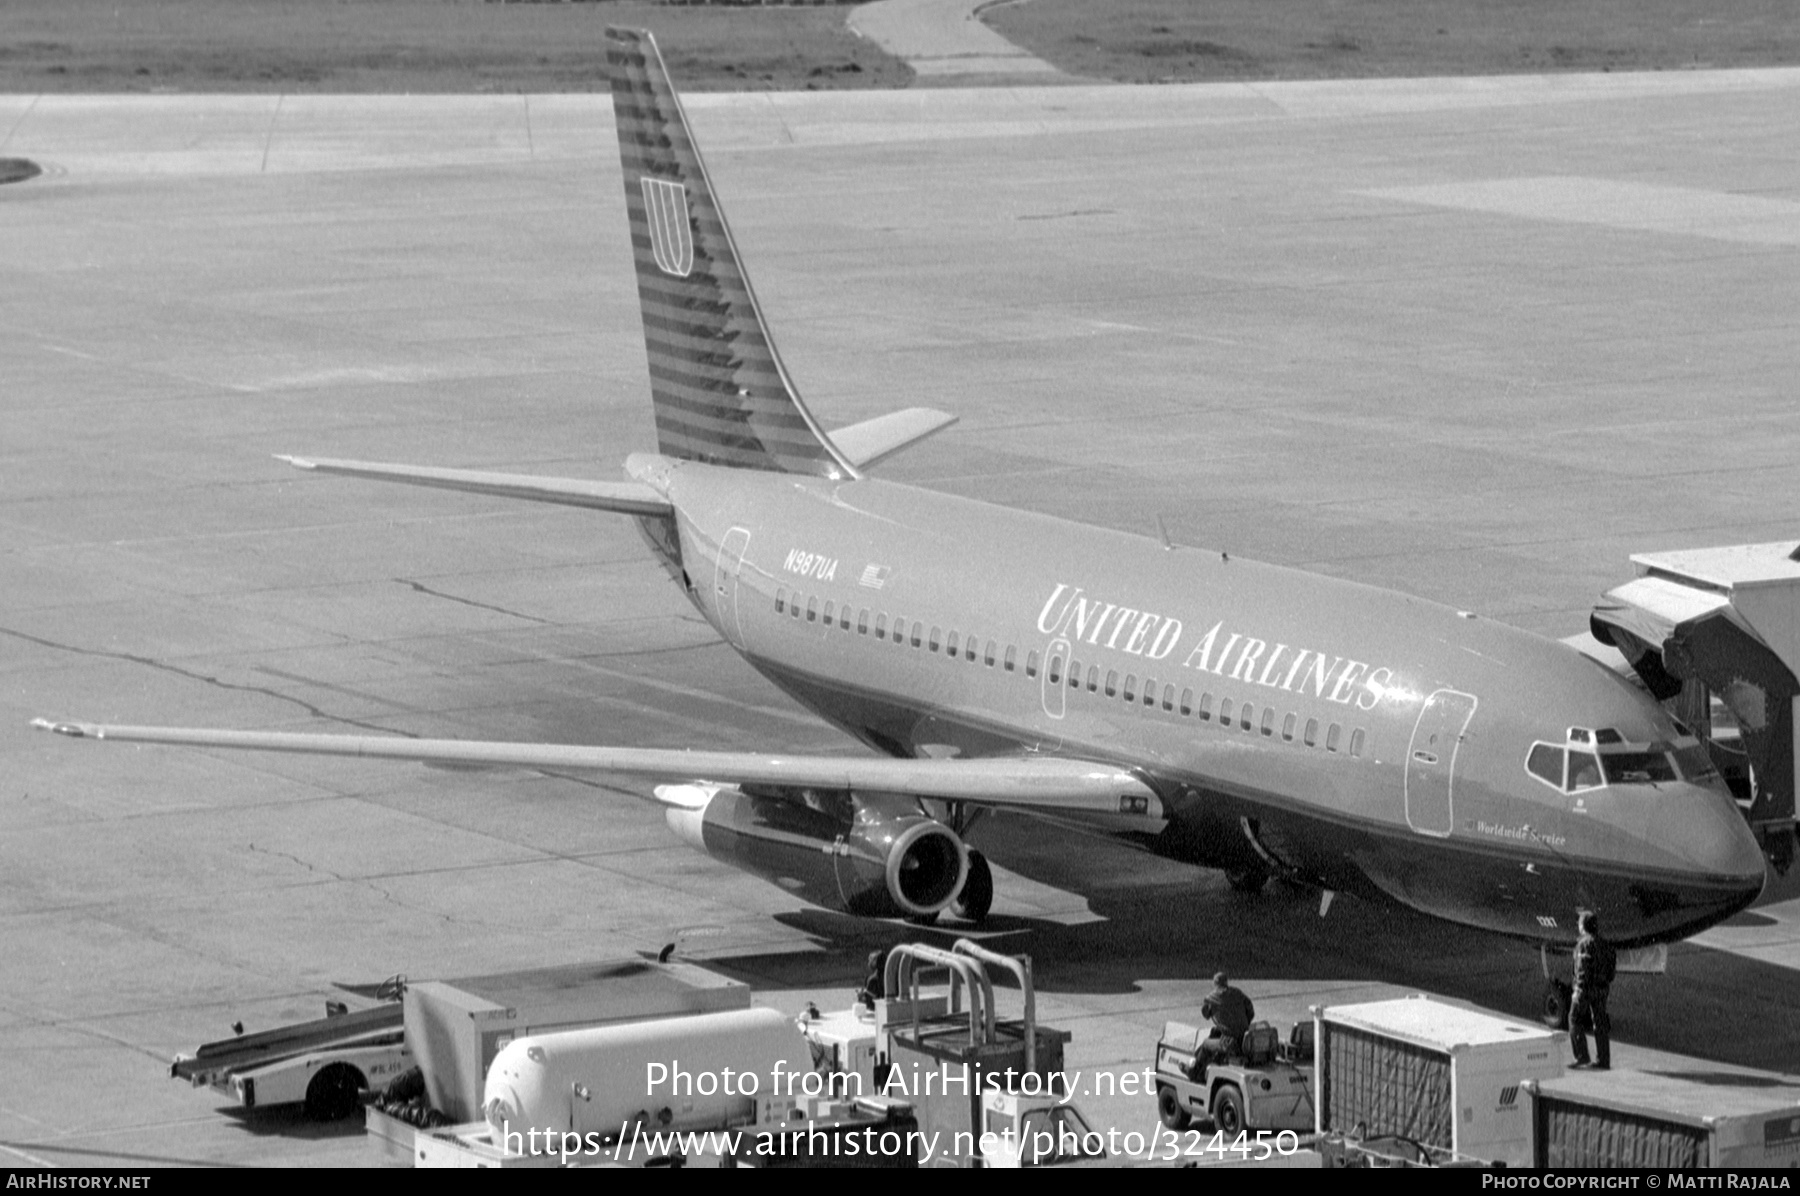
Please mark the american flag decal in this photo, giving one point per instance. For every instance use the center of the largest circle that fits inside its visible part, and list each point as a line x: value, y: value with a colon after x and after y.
x: 874, y: 577
x: 1509, y: 1095
x: 671, y: 233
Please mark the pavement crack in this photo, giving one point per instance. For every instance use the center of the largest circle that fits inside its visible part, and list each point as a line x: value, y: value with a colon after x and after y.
x: 308, y: 865
x: 204, y: 678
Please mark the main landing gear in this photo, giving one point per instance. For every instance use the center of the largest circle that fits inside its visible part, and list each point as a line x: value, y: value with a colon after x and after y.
x: 977, y: 896
x: 1247, y: 880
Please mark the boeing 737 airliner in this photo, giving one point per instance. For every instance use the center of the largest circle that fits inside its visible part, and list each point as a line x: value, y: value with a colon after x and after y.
x: 1231, y: 714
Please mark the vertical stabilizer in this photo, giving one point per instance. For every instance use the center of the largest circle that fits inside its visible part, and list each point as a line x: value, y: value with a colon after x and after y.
x: 720, y: 393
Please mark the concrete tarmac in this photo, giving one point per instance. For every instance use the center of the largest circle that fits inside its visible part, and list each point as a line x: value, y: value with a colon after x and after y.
x: 947, y: 45
x: 1474, y: 339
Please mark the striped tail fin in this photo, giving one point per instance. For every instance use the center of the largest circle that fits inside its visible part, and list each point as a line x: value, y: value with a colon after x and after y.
x: 719, y: 390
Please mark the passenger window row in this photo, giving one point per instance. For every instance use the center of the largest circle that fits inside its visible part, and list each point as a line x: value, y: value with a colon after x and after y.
x: 1244, y: 717
x: 973, y: 649
x: 1247, y: 717
x: 970, y: 648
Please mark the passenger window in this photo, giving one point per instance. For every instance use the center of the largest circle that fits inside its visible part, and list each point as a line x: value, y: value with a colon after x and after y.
x: 1112, y: 682
x: 1546, y: 764
x: 1331, y: 737
x: 1055, y: 668
x: 844, y: 617
x: 1247, y: 716
x: 1187, y: 702
x: 881, y: 625
x: 1012, y: 654
x: 1206, y: 706
x: 936, y: 638
x: 1224, y: 712
x: 1584, y: 772
x: 1031, y: 659
x: 1311, y: 737
x: 862, y: 620
x: 812, y: 609
x: 1131, y: 687
x: 899, y: 629
x: 950, y: 645
x: 993, y: 647
x: 970, y: 646
x: 1093, y: 678
x: 781, y: 600
x: 831, y: 611
x: 1287, y: 727
x: 918, y: 632
x: 1356, y: 742
x: 1169, y: 698
x: 1268, y: 720
x: 794, y: 606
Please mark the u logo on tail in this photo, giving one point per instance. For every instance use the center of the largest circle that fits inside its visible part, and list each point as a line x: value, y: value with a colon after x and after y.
x: 671, y: 234
x: 719, y: 389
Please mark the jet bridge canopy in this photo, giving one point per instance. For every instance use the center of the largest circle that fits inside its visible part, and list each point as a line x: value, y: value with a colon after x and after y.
x: 1728, y: 618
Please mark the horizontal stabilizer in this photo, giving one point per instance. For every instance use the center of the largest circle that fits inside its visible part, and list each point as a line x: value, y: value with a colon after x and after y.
x: 1096, y: 794
x: 875, y: 439
x: 630, y: 498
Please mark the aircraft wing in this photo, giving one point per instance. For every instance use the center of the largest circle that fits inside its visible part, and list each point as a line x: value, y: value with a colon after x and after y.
x: 1095, y: 794
x: 631, y: 498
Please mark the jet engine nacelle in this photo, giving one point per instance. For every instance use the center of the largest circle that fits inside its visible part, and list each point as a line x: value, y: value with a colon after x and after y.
x: 833, y: 850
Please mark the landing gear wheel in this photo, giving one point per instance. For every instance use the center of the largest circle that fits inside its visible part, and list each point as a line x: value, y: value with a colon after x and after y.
x: 977, y: 896
x: 1558, y: 996
x: 334, y: 1093
x: 1168, y: 1107
x: 1228, y: 1111
x: 1249, y: 880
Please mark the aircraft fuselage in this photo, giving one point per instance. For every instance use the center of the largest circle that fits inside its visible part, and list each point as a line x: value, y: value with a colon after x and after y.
x: 1351, y: 737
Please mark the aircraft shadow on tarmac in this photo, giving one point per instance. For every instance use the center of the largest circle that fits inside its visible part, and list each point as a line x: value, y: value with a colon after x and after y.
x: 1159, y: 921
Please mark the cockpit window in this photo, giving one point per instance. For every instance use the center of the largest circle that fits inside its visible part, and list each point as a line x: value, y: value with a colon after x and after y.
x: 1546, y: 763
x: 1637, y: 768
x: 1695, y: 762
x: 1590, y: 760
x: 1584, y: 772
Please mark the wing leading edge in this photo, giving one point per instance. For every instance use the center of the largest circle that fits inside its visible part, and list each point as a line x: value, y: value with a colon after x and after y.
x: 1102, y: 795
x: 630, y: 498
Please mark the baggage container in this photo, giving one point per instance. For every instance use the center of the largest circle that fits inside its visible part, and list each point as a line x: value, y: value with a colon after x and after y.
x: 1432, y: 1076
x: 1651, y: 1119
x: 456, y: 1028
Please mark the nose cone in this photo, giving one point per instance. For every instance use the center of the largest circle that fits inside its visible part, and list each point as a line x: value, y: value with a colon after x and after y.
x: 1704, y: 831
x: 1719, y: 860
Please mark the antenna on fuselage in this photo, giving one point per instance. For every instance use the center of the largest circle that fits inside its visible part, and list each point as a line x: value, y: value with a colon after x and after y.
x: 1162, y: 530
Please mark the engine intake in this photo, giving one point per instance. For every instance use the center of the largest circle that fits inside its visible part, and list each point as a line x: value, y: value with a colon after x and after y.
x: 835, y: 850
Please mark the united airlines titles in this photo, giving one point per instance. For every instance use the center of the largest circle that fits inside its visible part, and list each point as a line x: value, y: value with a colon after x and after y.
x: 1071, y: 614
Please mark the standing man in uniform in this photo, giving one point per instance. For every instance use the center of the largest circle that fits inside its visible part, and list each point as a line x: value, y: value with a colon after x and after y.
x: 1595, y: 964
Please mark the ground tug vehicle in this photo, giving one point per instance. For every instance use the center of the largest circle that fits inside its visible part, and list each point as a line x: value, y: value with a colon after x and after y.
x: 1265, y: 1085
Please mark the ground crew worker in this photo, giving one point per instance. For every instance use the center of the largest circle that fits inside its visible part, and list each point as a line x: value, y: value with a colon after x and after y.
x: 875, y: 983
x: 1230, y: 1013
x: 1595, y: 964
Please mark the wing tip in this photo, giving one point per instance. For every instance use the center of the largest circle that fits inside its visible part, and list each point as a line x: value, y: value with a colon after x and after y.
x: 72, y: 730
x: 297, y: 462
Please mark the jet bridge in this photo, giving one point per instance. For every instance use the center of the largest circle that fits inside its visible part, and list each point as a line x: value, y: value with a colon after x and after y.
x: 1723, y: 623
